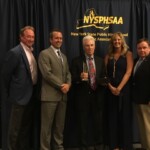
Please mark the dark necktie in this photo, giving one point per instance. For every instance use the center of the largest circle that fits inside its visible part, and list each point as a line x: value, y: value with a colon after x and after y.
x: 92, y: 73
x: 138, y: 64
x: 59, y: 55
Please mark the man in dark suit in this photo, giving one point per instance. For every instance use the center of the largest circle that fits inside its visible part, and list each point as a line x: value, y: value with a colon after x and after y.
x: 141, y: 90
x: 56, y: 81
x: 19, y: 75
x: 88, y: 72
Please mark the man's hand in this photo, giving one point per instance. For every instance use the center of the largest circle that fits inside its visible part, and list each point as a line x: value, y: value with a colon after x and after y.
x: 65, y: 88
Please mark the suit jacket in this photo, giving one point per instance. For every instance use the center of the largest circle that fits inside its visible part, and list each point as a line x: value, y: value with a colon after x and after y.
x: 54, y: 74
x: 82, y: 88
x: 141, y: 83
x: 16, y: 77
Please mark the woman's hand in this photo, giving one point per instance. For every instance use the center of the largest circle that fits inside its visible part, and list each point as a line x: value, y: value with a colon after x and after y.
x: 114, y: 90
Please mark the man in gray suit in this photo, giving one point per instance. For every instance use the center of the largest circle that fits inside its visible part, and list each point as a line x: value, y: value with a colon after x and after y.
x: 56, y: 81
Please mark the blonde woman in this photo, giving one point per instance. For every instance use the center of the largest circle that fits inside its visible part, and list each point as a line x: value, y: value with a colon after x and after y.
x: 119, y: 64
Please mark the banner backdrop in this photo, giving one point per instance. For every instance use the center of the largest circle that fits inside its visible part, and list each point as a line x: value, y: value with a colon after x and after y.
x: 76, y: 18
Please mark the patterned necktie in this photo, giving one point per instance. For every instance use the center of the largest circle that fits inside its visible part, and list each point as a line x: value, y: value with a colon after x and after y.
x: 92, y: 73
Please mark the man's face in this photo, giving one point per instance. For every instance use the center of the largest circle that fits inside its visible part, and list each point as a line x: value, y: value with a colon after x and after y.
x: 143, y: 49
x: 56, y: 40
x: 28, y: 38
x: 89, y: 47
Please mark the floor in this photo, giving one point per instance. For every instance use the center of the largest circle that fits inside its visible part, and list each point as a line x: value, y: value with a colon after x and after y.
x: 136, y: 146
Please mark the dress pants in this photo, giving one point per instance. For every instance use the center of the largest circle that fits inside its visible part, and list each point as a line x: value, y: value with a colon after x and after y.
x: 52, y: 125
x: 143, y: 116
x: 19, y: 134
x: 90, y: 115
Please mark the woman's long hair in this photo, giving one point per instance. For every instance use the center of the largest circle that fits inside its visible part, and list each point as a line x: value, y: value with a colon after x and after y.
x: 124, y: 47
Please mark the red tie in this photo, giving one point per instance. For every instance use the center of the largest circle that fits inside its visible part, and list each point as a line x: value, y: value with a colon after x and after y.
x: 92, y: 73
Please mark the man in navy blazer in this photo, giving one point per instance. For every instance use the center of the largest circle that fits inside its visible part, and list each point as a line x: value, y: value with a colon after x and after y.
x: 19, y: 75
x: 141, y: 90
x: 89, y: 99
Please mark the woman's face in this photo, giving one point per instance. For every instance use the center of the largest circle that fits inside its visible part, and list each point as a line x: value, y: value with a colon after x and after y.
x: 117, y: 42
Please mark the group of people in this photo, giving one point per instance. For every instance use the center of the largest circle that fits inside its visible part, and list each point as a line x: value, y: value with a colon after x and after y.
x: 104, y: 90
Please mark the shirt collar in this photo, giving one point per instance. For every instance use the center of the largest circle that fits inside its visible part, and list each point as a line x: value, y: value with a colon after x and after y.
x: 26, y: 47
x: 141, y: 58
x: 87, y: 57
x: 55, y: 49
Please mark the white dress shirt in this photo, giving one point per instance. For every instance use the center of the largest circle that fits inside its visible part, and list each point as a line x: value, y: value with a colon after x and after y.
x: 32, y: 62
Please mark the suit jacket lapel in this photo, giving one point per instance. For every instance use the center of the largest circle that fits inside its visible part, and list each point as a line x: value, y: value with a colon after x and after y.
x: 83, y: 61
x: 96, y: 64
x: 144, y: 61
x: 25, y: 60
x: 142, y: 64
x: 55, y: 56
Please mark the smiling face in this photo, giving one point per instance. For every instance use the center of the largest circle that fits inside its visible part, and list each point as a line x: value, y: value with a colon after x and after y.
x: 143, y: 49
x: 88, y: 45
x: 117, y: 42
x: 56, y: 39
x: 27, y: 37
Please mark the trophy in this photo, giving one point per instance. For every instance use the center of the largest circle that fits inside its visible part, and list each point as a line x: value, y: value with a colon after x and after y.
x: 85, y: 70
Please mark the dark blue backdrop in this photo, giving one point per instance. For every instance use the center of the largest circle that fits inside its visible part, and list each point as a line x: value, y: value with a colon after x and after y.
x: 75, y: 18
